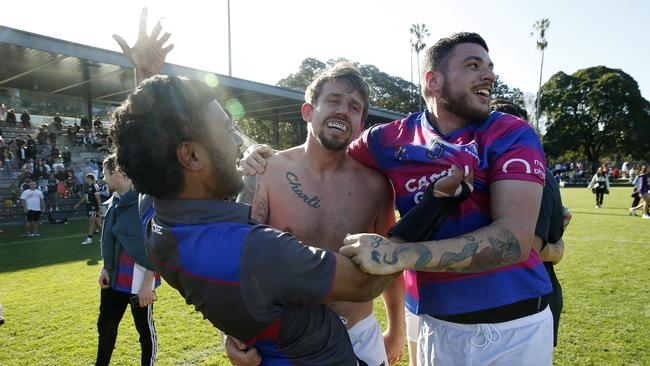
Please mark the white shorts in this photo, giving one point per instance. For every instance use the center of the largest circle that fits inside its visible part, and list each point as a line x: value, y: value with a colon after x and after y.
x: 368, y: 342
x: 412, y: 325
x: 526, y: 341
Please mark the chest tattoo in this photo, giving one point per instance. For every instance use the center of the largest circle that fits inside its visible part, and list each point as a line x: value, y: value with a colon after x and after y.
x: 296, y: 187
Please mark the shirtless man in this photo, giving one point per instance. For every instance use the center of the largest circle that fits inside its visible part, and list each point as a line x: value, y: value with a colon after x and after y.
x: 309, y: 190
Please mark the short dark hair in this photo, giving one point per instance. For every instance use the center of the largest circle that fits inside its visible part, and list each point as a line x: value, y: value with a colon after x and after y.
x: 510, y: 107
x: 342, y: 70
x: 163, y: 112
x: 110, y: 163
x: 436, y: 56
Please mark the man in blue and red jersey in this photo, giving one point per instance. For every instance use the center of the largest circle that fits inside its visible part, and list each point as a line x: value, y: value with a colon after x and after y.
x: 480, y: 289
x: 262, y: 286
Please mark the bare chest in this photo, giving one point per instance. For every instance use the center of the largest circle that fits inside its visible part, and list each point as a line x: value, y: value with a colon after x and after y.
x: 320, y: 212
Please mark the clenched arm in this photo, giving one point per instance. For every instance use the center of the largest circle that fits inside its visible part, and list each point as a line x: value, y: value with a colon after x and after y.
x: 507, y: 240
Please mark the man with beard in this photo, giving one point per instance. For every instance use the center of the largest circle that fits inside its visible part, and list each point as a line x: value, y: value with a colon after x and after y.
x: 479, y: 288
x: 307, y: 190
x: 264, y: 287
x: 310, y: 190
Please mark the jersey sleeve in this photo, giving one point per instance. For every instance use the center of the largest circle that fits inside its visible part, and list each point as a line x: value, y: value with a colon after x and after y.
x: 359, y: 149
x: 515, y: 152
x: 277, y: 270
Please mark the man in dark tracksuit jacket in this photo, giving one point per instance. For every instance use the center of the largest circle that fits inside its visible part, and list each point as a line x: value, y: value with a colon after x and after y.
x: 127, y: 271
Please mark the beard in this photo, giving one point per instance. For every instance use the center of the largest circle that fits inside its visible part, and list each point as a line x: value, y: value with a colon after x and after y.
x: 460, y: 105
x: 228, y: 180
x: 331, y: 143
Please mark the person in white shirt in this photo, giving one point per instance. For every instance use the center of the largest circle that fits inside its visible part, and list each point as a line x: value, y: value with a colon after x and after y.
x: 33, y: 204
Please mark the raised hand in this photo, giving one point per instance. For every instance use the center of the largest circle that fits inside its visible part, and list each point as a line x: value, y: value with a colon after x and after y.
x: 149, y: 52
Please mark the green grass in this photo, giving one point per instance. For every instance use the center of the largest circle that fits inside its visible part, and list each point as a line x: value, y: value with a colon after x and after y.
x: 49, y: 290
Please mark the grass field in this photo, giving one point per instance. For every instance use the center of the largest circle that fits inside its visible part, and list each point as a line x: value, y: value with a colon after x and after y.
x: 49, y: 290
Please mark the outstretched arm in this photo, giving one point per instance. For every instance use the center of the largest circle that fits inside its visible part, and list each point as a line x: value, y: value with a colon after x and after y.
x: 149, y: 52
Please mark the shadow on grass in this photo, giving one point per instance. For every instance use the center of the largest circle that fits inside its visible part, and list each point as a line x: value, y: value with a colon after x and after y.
x: 57, y: 244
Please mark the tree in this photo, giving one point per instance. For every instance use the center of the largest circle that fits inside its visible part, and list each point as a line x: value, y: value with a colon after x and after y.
x: 593, y: 112
x: 309, y: 68
x: 540, y: 27
x: 418, y: 33
x: 501, y: 90
x: 386, y: 91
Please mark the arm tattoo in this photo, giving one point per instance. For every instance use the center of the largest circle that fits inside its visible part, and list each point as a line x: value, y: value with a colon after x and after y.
x: 260, y: 210
x: 251, y: 187
x: 296, y: 187
x: 259, y: 204
x: 449, y: 258
x: 421, y: 251
x: 504, y: 249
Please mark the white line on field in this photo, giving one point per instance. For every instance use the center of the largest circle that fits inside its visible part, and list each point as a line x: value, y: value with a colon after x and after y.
x: 39, y: 240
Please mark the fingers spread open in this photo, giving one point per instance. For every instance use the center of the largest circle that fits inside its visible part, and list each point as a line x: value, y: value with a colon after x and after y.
x: 123, y: 45
x: 143, y: 23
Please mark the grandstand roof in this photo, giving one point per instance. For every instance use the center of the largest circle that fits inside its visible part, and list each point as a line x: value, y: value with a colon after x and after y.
x: 30, y: 61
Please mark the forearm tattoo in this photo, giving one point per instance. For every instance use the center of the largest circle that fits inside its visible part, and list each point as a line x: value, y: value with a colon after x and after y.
x: 504, y: 249
x: 296, y: 187
x: 422, y: 253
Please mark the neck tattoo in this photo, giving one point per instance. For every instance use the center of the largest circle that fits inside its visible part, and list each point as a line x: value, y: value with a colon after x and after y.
x: 294, y: 183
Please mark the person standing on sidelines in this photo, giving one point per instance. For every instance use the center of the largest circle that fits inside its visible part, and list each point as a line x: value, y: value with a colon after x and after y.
x: 126, y: 271
x: 92, y: 200
x: 33, y: 204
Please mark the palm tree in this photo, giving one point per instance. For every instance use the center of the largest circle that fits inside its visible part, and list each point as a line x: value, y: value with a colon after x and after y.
x: 418, y: 33
x: 539, y: 28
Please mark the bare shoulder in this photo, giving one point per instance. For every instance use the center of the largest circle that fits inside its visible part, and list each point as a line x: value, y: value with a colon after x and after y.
x: 279, y: 163
x: 372, y: 180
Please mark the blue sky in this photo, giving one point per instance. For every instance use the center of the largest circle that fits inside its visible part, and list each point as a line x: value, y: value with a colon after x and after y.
x: 271, y: 38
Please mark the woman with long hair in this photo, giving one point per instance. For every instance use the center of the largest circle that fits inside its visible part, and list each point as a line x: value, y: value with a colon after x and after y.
x: 599, y: 185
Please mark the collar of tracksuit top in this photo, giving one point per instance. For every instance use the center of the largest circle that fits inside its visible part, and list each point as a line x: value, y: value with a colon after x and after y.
x: 200, y: 211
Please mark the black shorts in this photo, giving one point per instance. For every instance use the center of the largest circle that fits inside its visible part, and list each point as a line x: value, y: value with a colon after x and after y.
x: 33, y: 215
x: 92, y: 211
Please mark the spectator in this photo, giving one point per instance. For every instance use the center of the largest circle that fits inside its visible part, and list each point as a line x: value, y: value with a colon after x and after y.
x: 92, y: 200
x: 25, y: 119
x: 66, y: 156
x: 33, y: 204
x: 599, y: 185
x: 71, y: 183
x: 98, y: 123
x: 123, y: 251
x: 641, y: 192
x: 11, y: 117
x: 41, y: 136
x: 51, y: 133
x: 58, y: 122
x: 3, y: 112
x: 41, y: 172
x: 85, y: 123
x: 52, y: 193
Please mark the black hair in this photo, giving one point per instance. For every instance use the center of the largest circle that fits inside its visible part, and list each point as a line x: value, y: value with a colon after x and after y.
x: 163, y: 112
x: 510, y: 107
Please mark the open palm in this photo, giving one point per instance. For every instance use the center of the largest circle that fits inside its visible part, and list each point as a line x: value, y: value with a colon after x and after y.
x: 149, y: 52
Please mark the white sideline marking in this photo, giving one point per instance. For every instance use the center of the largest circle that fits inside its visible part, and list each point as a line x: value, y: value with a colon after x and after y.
x: 34, y: 240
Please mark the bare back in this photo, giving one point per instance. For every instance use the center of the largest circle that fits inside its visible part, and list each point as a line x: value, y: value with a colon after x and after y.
x: 320, y: 209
